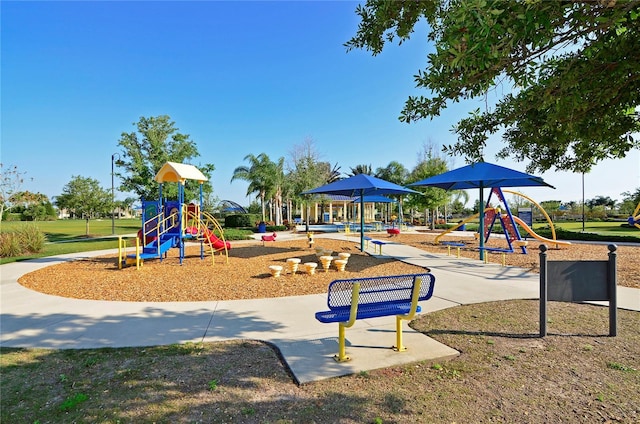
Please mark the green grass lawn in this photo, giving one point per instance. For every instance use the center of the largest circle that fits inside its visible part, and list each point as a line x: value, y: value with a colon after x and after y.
x: 70, y: 235
x: 74, y: 229
x: 604, y: 228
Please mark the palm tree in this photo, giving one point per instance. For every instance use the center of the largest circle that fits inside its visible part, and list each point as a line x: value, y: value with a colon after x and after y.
x: 334, y: 174
x: 258, y: 175
x: 276, y: 187
x: 360, y: 169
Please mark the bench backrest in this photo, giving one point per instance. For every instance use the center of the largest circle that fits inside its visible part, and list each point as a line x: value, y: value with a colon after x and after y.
x: 380, y: 290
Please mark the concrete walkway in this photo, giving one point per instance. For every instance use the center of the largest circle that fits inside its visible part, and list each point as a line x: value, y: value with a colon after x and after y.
x: 32, y: 319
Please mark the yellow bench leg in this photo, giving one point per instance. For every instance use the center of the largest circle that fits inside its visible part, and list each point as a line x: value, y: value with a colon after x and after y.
x: 353, y: 313
x: 341, y: 356
x: 399, y: 347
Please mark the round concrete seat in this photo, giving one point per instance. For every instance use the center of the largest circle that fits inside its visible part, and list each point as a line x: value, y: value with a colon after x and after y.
x: 340, y: 264
x: 344, y: 256
x: 326, y: 262
x: 292, y: 263
x: 275, y: 270
x: 311, y: 267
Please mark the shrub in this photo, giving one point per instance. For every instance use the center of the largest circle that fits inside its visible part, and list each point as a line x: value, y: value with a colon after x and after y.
x: 240, y: 221
x: 31, y: 238
x: 237, y: 234
x: 10, y: 245
x: 13, y: 217
x: 563, y: 234
x: 25, y: 239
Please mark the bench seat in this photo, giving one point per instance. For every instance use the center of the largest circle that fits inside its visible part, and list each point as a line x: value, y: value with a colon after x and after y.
x: 368, y: 311
x: 452, y: 243
x: 496, y: 249
x: 359, y: 298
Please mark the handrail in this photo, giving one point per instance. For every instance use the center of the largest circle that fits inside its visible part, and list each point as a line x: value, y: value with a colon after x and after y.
x: 122, y: 252
x: 196, y: 218
x: 160, y: 227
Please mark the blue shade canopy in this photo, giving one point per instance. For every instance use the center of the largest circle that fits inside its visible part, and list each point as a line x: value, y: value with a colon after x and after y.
x: 481, y: 175
x: 361, y: 185
x: 375, y: 199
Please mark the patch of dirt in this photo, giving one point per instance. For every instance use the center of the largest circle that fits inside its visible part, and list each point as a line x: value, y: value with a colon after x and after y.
x: 246, y: 275
x: 505, y: 372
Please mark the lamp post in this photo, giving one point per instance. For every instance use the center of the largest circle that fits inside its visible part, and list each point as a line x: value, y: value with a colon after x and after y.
x: 583, y: 202
x: 113, y: 194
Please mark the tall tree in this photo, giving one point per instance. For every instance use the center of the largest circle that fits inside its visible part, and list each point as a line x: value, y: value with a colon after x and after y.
x: 571, y: 71
x: 83, y: 197
x: 630, y: 201
x: 33, y: 206
x: 276, y: 188
x: 394, y: 172
x: 307, y: 171
x: 360, y: 169
x: 259, y: 176
x: 334, y: 174
x: 430, y: 163
x: 11, y: 180
x: 145, y: 151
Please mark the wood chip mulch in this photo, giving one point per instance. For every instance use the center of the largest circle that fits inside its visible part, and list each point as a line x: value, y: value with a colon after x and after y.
x: 246, y: 274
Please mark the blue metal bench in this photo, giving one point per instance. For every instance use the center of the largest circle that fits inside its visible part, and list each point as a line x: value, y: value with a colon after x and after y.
x: 378, y: 243
x: 350, y: 300
x: 451, y: 244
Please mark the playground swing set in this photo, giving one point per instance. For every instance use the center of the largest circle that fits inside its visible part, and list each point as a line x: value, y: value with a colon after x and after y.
x: 508, y: 222
x: 170, y: 224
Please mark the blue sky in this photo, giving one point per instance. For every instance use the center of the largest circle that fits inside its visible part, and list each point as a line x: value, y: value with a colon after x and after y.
x: 238, y: 77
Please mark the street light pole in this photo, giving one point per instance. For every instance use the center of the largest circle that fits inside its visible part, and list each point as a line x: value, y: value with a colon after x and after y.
x: 113, y: 195
x: 583, y: 202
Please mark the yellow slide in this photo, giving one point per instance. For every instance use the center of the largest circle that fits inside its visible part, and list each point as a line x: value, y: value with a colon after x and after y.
x: 460, y: 224
x: 535, y: 235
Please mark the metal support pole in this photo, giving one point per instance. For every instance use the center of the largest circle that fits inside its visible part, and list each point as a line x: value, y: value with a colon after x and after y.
x: 612, y: 284
x: 113, y: 194
x: 543, y: 290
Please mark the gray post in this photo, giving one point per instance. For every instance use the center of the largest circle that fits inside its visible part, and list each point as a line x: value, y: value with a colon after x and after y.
x: 113, y: 195
x: 543, y: 290
x: 612, y: 283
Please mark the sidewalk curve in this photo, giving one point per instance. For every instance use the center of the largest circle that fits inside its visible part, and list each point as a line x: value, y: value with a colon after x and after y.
x: 32, y: 319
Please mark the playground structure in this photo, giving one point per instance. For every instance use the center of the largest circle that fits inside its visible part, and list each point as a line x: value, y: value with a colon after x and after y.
x: 508, y: 223
x: 634, y: 219
x: 170, y: 224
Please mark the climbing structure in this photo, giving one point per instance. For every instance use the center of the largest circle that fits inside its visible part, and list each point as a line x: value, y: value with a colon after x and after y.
x: 507, y: 222
x: 168, y: 224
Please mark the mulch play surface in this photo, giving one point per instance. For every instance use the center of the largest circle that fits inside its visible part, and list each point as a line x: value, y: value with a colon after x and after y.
x: 246, y: 274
